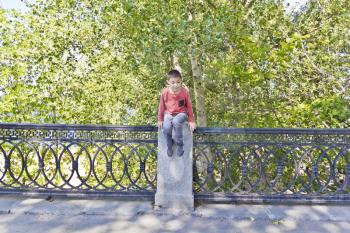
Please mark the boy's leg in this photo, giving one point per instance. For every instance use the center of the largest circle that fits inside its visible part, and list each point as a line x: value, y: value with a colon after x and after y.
x: 167, y: 130
x: 178, y: 121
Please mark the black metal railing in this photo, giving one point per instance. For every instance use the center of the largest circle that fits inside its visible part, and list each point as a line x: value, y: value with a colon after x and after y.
x: 76, y: 159
x: 297, y: 165
x: 229, y: 164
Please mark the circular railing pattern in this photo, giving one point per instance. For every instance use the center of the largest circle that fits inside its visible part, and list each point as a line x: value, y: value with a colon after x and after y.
x: 78, y: 159
x: 121, y: 159
x: 272, y: 161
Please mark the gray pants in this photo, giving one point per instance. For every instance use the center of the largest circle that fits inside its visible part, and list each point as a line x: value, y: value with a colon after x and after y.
x: 176, y: 122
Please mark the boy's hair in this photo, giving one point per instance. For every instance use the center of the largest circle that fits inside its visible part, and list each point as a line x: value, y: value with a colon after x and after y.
x: 174, y: 73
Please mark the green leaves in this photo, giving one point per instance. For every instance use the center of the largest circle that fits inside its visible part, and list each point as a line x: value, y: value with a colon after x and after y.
x: 104, y: 62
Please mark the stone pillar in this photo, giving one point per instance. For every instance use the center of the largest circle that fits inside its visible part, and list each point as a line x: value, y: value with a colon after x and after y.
x: 174, y: 175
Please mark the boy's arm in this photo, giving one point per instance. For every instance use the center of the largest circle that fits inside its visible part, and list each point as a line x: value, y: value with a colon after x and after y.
x: 189, y: 108
x: 161, y: 108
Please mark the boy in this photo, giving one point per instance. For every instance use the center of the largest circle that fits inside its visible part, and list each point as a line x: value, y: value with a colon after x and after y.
x: 175, y: 108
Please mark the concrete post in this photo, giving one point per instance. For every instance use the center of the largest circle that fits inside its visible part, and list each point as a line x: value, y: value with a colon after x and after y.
x: 174, y: 175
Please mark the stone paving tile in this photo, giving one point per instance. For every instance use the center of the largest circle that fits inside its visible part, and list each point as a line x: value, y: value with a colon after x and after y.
x: 95, y: 216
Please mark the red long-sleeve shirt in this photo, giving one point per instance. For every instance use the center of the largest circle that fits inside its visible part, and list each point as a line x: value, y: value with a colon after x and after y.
x: 175, y: 103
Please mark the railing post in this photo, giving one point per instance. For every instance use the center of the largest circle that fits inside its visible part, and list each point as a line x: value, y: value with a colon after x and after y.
x: 174, y: 175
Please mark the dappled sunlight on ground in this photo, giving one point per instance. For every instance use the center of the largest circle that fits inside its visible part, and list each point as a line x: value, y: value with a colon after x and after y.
x: 95, y: 216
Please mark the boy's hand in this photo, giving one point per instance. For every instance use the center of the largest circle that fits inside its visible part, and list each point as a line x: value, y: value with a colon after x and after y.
x: 160, y: 124
x: 192, y: 126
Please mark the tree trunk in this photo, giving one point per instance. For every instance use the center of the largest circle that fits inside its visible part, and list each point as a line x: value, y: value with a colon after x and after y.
x: 175, y: 62
x: 200, y: 166
x: 205, y: 157
x: 199, y: 96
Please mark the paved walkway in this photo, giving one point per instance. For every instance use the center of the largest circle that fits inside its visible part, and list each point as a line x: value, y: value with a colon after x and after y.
x: 95, y: 216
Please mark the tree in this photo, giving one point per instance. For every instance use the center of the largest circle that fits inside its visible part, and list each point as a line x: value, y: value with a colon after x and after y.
x: 247, y: 63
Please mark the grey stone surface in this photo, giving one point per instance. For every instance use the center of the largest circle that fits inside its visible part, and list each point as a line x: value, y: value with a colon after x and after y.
x: 34, y: 206
x: 174, y: 175
x: 103, y: 216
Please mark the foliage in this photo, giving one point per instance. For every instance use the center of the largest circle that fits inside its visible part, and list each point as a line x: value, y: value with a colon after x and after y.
x: 104, y: 62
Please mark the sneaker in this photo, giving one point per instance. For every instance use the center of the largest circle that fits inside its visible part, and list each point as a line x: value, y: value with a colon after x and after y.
x: 170, y: 152
x: 180, y: 151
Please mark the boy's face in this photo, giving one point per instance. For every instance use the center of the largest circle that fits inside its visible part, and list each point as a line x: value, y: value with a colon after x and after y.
x: 174, y: 83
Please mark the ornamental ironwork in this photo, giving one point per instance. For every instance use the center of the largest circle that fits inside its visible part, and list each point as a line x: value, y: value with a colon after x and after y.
x: 272, y: 164
x: 229, y: 164
x: 75, y: 158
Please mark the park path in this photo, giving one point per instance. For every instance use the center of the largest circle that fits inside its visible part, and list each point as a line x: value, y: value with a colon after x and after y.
x: 29, y: 215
